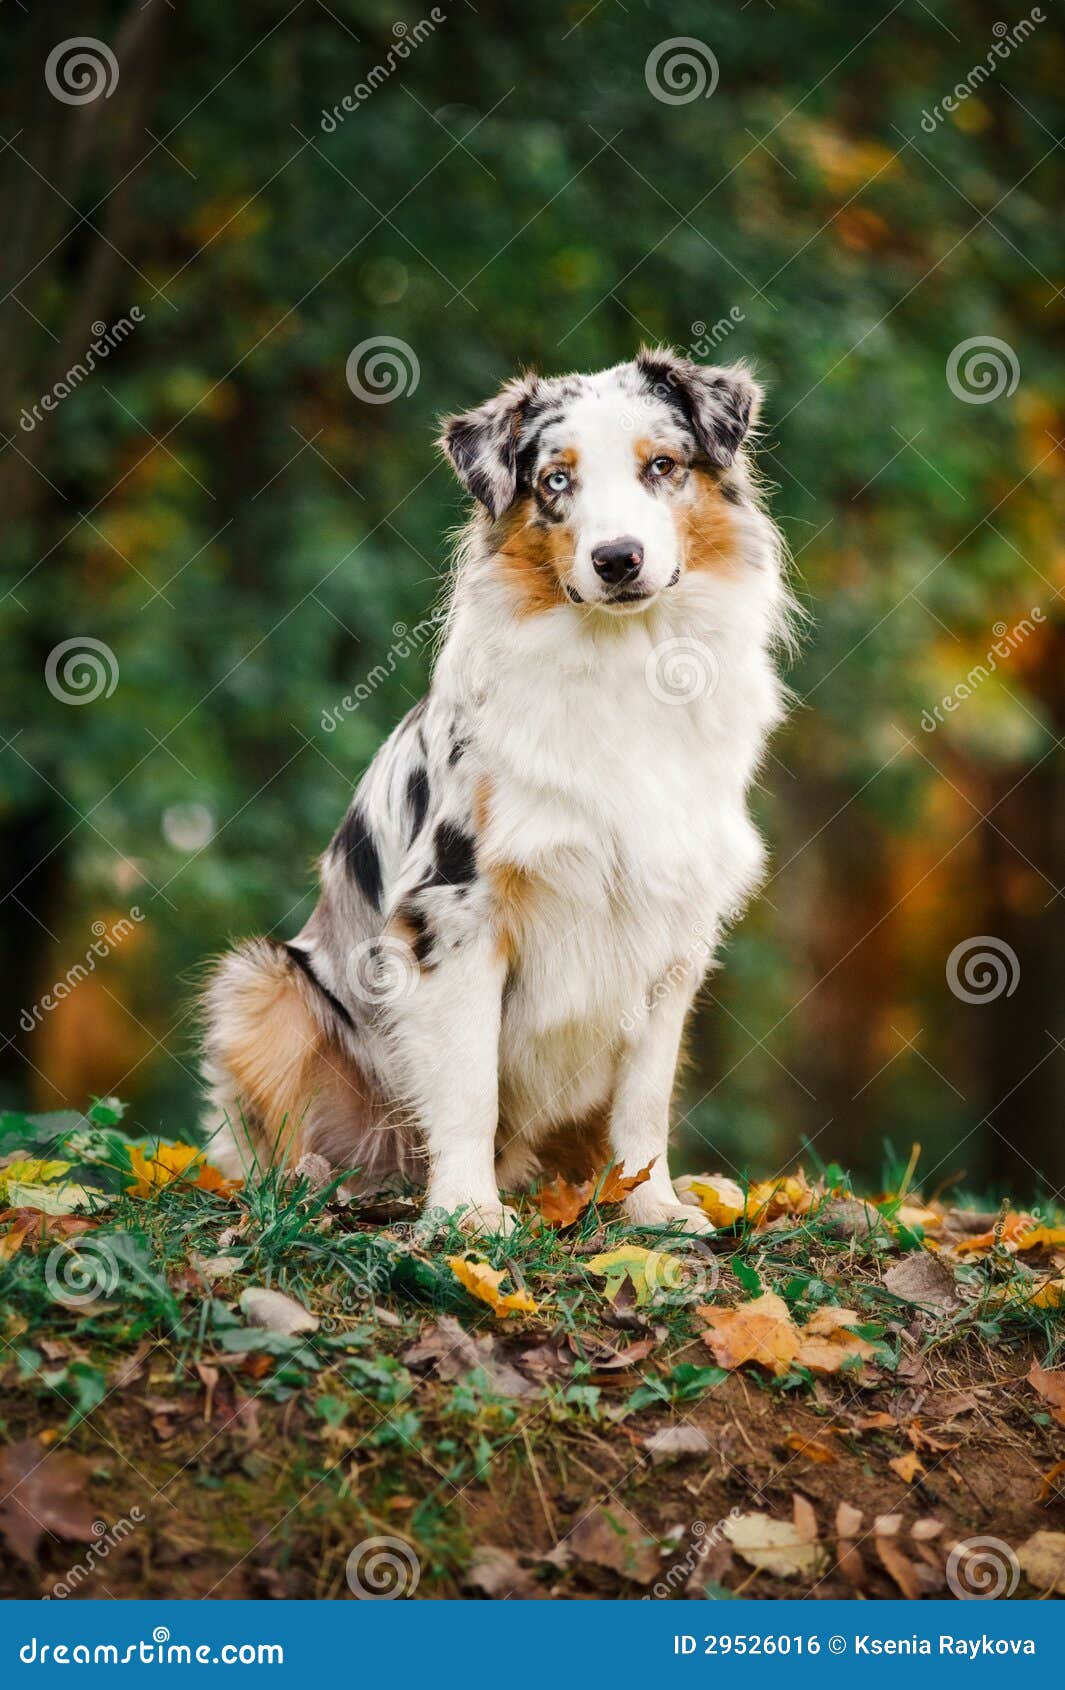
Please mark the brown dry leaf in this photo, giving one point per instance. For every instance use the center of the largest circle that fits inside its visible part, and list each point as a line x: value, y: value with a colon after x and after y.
x: 920, y: 1439
x: 32, y: 1227
x: 496, y: 1573
x: 483, y: 1281
x: 451, y: 1352
x: 674, y: 1442
x: 607, y: 1539
x: 759, y: 1331
x: 770, y: 1199
x: 779, y: 1547
x: 922, y: 1279
x: 909, y: 1467
x: 1042, y: 1560
x: 900, y: 1569
x: 44, y: 1493
x: 1050, y: 1383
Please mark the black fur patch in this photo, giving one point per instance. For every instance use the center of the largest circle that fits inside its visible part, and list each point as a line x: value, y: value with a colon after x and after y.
x: 456, y: 751
x: 422, y: 943
x: 731, y: 492
x: 417, y: 799
x: 355, y: 842
x: 303, y: 962
x: 456, y: 857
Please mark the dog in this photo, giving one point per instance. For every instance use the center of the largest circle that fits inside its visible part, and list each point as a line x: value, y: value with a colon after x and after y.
x: 534, y: 874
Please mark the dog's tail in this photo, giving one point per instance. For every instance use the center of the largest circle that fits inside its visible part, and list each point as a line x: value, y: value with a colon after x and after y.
x: 273, y: 1057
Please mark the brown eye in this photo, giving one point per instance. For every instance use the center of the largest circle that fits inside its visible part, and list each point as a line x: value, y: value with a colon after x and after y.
x: 660, y: 467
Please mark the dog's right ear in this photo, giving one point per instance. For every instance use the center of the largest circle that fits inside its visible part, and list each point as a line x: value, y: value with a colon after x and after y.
x: 483, y: 445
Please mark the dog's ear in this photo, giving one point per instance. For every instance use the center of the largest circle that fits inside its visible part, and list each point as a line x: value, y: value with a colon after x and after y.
x: 719, y: 404
x: 483, y: 444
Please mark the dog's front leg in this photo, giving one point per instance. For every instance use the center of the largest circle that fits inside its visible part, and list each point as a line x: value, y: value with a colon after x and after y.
x: 639, y: 1124
x: 446, y: 1034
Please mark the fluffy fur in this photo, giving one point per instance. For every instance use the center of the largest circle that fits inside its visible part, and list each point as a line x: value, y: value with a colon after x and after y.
x: 534, y: 873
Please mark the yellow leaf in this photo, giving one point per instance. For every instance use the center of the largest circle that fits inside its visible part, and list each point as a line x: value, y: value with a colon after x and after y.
x: 909, y: 1467
x: 1049, y: 1237
x: 721, y: 1199
x: 648, y: 1271
x: 168, y: 1162
x: 483, y: 1281
x: 29, y: 1171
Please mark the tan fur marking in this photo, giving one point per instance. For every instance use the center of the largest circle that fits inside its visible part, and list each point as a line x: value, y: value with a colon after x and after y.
x: 709, y: 528
x: 534, y: 558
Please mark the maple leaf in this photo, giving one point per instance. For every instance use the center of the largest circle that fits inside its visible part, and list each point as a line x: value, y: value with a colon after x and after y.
x: 156, y: 1167
x: 561, y: 1202
x: 760, y: 1331
x: 483, y: 1281
x: 648, y: 1271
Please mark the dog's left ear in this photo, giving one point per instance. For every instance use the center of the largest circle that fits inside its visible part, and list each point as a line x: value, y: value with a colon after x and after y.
x: 483, y: 445
x: 720, y: 405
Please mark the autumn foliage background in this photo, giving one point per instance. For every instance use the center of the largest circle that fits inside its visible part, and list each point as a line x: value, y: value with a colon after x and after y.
x: 217, y: 506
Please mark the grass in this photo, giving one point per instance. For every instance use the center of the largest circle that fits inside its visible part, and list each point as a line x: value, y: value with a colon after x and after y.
x: 260, y: 1459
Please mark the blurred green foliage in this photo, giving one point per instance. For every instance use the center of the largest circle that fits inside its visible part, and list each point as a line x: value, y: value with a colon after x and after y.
x: 216, y: 504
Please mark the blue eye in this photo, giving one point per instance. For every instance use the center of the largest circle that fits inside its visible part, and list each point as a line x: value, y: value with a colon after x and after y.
x: 557, y: 481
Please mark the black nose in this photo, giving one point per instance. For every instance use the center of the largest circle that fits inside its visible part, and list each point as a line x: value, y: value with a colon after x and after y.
x: 618, y: 561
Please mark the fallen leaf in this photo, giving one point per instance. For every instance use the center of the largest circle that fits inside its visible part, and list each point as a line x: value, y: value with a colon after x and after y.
x: 773, y: 1546
x: 154, y: 1168
x: 647, y: 1271
x: 276, y: 1312
x: 1042, y: 1560
x: 848, y: 1520
x: 674, y: 1442
x: 812, y: 1449
x: 909, y: 1467
x: 899, y: 1567
x: 451, y: 1352
x: 32, y: 1227
x: 922, y: 1279
x: 1050, y: 1383
x: 44, y: 1493
x: 1049, y: 1485
x: 606, y: 1539
x: 721, y: 1200
x: 759, y: 1331
x: 1006, y: 1231
x: 827, y: 1344
x: 483, y: 1281
x: 496, y: 1573
x: 561, y: 1203
x: 1042, y: 1237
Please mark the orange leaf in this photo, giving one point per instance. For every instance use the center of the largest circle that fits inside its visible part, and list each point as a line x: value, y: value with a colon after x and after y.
x: 1050, y: 1383
x: 815, y: 1449
x: 561, y: 1203
x: 760, y: 1331
x: 1049, y: 1486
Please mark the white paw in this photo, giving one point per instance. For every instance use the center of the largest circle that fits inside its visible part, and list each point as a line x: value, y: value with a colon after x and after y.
x: 487, y: 1219
x: 654, y: 1211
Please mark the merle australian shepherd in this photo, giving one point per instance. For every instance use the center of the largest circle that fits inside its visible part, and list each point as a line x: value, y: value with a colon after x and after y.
x: 534, y: 872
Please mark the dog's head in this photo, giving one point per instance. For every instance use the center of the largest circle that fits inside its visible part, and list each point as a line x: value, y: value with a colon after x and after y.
x: 605, y: 489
